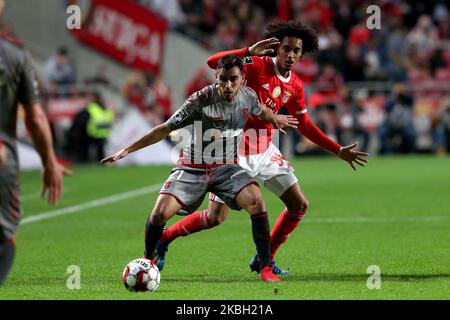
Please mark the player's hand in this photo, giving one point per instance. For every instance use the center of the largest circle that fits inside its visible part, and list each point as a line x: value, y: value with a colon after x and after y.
x: 3, y: 155
x: 117, y: 156
x: 281, y: 120
x: 264, y: 47
x: 347, y: 154
x: 52, y: 182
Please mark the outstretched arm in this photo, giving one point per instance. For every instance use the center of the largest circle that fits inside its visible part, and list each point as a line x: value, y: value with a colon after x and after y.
x: 213, y: 60
x: 347, y: 154
x: 153, y: 136
x: 313, y: 133
x: 308, y: 129
x: 260, y: 48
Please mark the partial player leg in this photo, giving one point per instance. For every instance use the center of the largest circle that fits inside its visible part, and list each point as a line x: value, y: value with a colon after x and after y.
x: 200, y: 220
x: 9, y: 222
x: 277, y: 174
x: 197, y: 221
x: 285, y: 186
x: 290, y: 217
x: 296, y: 206
x: 7, y: 252
x: 166, y: 207
x: 250, y: 199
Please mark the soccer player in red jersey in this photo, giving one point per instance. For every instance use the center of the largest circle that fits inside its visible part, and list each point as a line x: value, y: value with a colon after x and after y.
x: 276, y: 86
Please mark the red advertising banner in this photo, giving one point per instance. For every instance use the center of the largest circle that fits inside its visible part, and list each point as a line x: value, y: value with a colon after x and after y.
x: 125, y: 31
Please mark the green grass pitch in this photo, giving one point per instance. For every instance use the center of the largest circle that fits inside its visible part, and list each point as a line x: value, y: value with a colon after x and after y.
x: 394, y: 214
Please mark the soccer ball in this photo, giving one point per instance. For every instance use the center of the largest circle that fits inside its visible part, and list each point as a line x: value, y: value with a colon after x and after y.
x: 141, y: 275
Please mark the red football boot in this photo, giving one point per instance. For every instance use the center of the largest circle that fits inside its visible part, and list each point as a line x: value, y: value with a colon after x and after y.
x: 267, y: 275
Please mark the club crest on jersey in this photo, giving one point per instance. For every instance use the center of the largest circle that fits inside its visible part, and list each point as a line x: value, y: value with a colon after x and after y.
x: 244, y: 113
x: 286, y: 97
x: 276, y: 92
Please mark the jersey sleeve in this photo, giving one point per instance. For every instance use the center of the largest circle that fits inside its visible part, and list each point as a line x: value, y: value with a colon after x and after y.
x: 313, y: 133
x: 251, y: 64
x: 213, y: 60
x: 27, y: 91
x: 190, y: 110
x: 297, y: 108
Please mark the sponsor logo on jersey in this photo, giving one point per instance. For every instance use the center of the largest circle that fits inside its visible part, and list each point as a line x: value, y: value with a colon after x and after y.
x: 230, y: 133
x: 214, y: 134
x: 265, y: 86
x: 270, y: 103
x: 276, y: 92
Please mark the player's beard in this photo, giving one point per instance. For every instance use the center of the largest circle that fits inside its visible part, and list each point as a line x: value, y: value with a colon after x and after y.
x: 229, y: 96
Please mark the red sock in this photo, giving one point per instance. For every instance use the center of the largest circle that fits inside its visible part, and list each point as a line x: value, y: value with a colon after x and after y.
x: 194, y: 222
x: 286, y: 223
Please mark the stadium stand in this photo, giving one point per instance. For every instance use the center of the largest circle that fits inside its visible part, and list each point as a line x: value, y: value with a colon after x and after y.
x: 349, y: 81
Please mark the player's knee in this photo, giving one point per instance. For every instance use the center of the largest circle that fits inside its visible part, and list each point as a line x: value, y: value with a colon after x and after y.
x: 157, y: 218
x: 217, y: 216
x: 162, y: 212
x: 255, y: 205
x: 299, y: 206
x: 304, y: 205
x: 216, y: 220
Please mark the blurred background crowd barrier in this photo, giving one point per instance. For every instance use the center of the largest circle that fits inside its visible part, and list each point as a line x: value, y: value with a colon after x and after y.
x: 387, y: 88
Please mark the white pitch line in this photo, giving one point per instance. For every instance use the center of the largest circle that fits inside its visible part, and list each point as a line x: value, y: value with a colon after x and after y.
x: 91, y: 204
x: 155, y: 187
x: 372, y: 220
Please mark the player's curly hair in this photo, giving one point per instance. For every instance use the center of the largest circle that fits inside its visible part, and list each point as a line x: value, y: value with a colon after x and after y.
x: 295, y: 29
